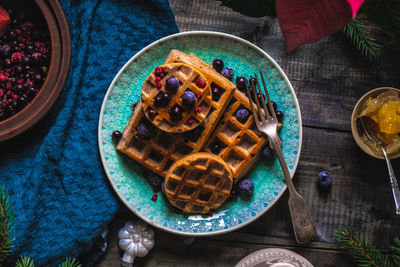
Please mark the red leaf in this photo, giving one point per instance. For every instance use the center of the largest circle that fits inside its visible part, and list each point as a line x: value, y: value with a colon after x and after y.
x: 308, y: 21
x: 4, y: 20
x: 355, y: 5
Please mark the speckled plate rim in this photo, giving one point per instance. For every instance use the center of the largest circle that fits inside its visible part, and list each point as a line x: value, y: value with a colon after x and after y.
x: 194, y: 33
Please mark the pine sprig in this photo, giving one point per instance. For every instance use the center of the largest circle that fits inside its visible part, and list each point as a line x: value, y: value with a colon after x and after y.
x: 362, y: 39
x: 25, y: 261
x: 6, y: 225
x: 364, y: 252
x: 70, y: 262
x: 396, y: 251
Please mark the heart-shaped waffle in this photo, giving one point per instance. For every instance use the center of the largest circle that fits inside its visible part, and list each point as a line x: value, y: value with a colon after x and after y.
x: 164, y: 104
x: 198, y: 182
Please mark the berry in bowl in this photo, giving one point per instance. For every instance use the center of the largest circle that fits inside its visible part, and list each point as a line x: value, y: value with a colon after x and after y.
x: 35, y: 52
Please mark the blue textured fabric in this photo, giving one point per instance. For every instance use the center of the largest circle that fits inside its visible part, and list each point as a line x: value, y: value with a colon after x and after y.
x: 53, y: 172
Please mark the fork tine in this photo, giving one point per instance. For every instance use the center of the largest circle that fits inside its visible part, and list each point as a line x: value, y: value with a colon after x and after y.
x: 262, y: 98
x: 262, y: 116
x: 255, y: 116
x: 271, y: 108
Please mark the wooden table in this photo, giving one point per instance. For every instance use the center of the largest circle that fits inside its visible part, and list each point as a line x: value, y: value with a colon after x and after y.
x: 328, y: 77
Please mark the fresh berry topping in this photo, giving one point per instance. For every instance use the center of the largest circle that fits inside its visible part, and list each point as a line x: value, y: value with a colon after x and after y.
x: 164, y: 71
x: 159, y: 85
x: 161, y: 100
x: 324, y: 180
x: 154, y: 179
x: 242, y: 115
x: 175, y: 113
x: 234, y: 194
x: 246, y: 186
x: 228, y: 73
x: 172, y: 84
x: 145, y: 130
x: 198, y: 109
x: 241, y: 83
x: 268, y: 153
x: 4, y: 20
x: 274, y: 105
x: 188, y: 99
x: 116, y: 136
x: 199, y: 95
x: 200, y: 83
x: 151, y: 112
x: 215, y: 91
x: 215, y: 148
x: 252, y: 81
x: 157, y: 71
x: 157, y: 79
x: 163, y: 188
x: 154, y: 197
x: 190, y: 121
x: 218, y: 64
x: 279, y: 115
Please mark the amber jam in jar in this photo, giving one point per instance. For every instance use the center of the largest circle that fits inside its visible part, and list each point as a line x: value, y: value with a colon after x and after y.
x: 385, y: 111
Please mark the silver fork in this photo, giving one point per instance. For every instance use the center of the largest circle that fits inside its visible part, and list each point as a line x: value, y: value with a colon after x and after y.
x: 266, y: 122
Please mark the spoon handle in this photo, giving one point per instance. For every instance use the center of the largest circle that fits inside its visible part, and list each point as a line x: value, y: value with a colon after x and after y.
x: 393, y: 182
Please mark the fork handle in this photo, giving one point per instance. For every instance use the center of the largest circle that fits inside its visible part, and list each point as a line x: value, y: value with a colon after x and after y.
x: 393, y: 182
x: 303, y: 224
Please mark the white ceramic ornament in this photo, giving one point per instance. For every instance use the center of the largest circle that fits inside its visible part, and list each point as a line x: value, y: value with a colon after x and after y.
x: 136, y: 239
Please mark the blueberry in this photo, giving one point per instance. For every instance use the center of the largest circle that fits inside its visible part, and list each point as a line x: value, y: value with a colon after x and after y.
x: 163, y: 188
x: 324, y: 180
x: 161, y: 100
x: 242, y: 115
x: 279, y: 115
x: 241, y: 83
x: 172, y: 84
x: 218, y: 64
x: 252, y: 81
x: 215, y: 148
x: 228, y: 73
x: 145, y: 130
x: 234, y: 194
x: 246, y: 186
x: 268, y: 153
x: 116, y: 136
x: 154, y: 179
x: 188, y: 99
x: 175, y: 113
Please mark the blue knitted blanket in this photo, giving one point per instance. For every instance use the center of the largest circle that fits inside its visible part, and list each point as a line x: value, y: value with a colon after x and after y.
x: 53, y: 172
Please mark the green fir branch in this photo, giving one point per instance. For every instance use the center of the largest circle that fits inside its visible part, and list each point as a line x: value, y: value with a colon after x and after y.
x: 70, y: 262
x: 6, y: 225
x: 362, y: 39
x: 25, y: 261
x: 364, y: 252
x: 396, y: 251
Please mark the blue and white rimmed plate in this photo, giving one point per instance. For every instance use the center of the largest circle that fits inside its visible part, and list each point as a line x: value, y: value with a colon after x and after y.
x: 126, y: 175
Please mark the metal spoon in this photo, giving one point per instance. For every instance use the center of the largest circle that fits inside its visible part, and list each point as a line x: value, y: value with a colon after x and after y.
x: 370, y: 132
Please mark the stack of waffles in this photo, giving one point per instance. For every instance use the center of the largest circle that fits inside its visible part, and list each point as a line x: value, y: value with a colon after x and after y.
x: 167, y: 150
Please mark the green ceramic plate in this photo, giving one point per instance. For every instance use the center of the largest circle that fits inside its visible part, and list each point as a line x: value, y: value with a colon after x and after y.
x: 126, y: 176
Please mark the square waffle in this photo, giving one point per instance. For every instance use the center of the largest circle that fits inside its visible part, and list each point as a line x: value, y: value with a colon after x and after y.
x: 162, y: 149
x: 241, y: 143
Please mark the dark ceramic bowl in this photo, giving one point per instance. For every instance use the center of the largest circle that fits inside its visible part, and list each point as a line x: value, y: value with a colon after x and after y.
x: 56, y: 77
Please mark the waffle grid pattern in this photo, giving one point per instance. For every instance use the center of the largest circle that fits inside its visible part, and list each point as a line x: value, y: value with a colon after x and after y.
x: 187, y: 76
x: 240, y: 143
x: 198, y: 182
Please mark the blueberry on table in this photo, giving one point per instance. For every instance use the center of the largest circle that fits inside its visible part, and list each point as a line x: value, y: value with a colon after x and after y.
x: 242, y: 115
x: 228, y: 73
x: 268, y: 153
x: 218, y: 64
x: 188, y: 99
x: 145, y: 130
x: 324, y: 180
x: 172, y: 84
x: 241, y: 83
x: 116, y: 136
x: 246, y: 186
